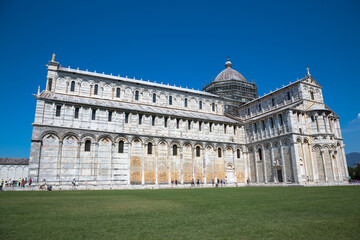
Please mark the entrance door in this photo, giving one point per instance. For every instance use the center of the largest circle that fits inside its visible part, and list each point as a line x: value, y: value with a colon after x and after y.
x: 279, y: 174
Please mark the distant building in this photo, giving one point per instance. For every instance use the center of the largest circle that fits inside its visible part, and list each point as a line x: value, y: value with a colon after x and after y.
x: 14, y: 168
x: 113, y: 131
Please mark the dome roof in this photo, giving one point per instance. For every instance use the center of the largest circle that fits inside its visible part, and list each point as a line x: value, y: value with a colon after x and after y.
x: 229, y: 74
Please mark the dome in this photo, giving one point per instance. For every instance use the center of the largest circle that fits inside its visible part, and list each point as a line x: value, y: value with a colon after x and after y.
x: 229, y: 74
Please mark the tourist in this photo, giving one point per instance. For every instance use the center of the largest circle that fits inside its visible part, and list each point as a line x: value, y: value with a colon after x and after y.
x: 198, y: 182
x: 30, y: 182
x: 176, y: 182
x: 212, y: 182
x: 19, y: 182
x: 43, y: 185
x: 73, y: 182
x: 2, y: 182
x: 23, y: 183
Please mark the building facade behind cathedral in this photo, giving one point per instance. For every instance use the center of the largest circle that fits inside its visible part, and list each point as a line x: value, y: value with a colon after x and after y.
x: 112, y: 131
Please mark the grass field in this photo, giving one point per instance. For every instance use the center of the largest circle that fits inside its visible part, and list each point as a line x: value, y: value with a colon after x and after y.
x: 223, y: 213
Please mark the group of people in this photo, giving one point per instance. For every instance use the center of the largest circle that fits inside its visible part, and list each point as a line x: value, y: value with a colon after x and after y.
x: 16, y: 183
x: 220, y: 182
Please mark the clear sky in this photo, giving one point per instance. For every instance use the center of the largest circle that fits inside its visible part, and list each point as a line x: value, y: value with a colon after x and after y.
x: 179, y: 42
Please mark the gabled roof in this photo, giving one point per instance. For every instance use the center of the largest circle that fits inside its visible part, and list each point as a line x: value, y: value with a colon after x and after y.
x: 14, y: 161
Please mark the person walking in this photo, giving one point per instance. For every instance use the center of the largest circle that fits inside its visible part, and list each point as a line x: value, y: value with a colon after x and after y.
x: 30, y: 182
x: 19, y: 182
x: 73, y: 183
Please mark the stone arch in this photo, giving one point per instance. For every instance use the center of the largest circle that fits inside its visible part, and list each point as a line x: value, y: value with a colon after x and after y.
x: 103, y: 136
x: 149, y: 161
x: 120, y: 137
x: 49, y: 157
x: 136, y: 161
x: 163, y: 163
x: 58, y: 135
x: 69, y: 157
x: 210, y: 158
x: 67, y: 134
x: 87, y: 136
x: 187, y: 162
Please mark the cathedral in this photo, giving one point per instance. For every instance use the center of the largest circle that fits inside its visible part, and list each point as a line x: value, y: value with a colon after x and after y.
x: 114, y: 132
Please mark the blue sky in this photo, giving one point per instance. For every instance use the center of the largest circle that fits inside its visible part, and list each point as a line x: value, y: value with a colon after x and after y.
x: 179, y: 42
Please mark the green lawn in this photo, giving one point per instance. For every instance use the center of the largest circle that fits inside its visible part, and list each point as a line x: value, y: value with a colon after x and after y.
x: 223, y: 213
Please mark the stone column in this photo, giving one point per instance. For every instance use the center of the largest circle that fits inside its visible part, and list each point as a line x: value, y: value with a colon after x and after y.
x: 264, y: 163
x: 78, y: 160
x: 143, y: 149
x: 112, y: 163
x: 305, y: 160
x: 58, y: 175
x: 193, y: 167
x: 344, y: 161
x: 313, y: 159
x: 272, y: 164
x: 294, y: 162
x: 35, y: 159
x: 129, y: 163
x: 215, y: 168
x: 96, y: 167
x: 332, y: 165
x: 204, y: 165
x: 156, y: 164
x: 246, y: 168
x: 324, y: 166
x: 256, y: 167
x: 325, y: 124
x: 283, y: 164
x: 181, y: 174
x: 235, y: 165
x: 169, y: 163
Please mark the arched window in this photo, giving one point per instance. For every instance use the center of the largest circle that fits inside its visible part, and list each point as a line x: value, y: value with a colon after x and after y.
x: 154, y: 97
x: 49, y: 84
x: 149, y: 148
x: 219, y: 152
x: 117, y: 92
x: 185, y: 102
x: 213, y: 107
x: 200, y: 105
x: 210, y: 127
x: 259, y: 107
x: 126, y: 117
x: 170, y: 100
x: 87, y: 146
x: 153, y: 120
x: 140, y: 119
x: 288, y: 96
x: 175, y: 150
x: 72, y: 87
x: 281, y: 119
x: 93, y: 114
x: 312, y: 95
x: 121, y: 147
x: 165, y: 121
x: 273, y: 102
x: 136, y: 95
x: 177, y: 123
x: 198, y: 151
x: 260, y: 154
x: 96, y: 89
x: 238, y: 153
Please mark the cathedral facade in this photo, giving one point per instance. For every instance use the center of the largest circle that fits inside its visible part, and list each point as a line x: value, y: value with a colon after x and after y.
x: 115, y: 132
